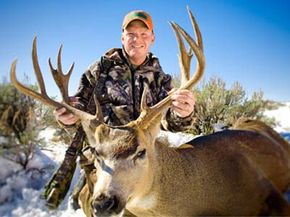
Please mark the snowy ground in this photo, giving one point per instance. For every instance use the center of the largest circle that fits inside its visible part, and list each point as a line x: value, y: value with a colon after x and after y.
x: 282, y: 115
x: 20, y: 191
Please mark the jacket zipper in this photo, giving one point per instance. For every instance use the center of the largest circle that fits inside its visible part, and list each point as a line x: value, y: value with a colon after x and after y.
x: 135, y: 116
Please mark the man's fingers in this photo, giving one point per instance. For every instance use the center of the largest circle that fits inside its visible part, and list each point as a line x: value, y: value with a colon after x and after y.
x: 70, y: 119
x: 184, y: 109
x: 183, y: 95
x: 183, y: 102
x: 59, y: 111
x: 65, y: 117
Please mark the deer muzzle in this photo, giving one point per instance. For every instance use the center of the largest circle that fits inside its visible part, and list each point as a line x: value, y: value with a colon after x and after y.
x: 105, y: 205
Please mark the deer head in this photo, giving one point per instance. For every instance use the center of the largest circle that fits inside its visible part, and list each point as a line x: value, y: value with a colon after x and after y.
x: 123, y: 156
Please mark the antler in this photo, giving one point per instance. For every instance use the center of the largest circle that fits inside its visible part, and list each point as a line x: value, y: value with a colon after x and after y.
x: 42, y: 96
x: 61, y: 80
x: 149, y: 113
x: 185, y: 57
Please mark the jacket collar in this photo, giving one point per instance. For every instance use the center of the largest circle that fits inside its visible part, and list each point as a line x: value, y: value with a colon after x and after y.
x: 119, y: 55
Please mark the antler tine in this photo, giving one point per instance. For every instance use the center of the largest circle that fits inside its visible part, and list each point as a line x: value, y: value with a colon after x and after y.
x: 196, y: 29
x: 199, y: 55
x: 29, y: 92
x: 61, y: 79
x: 149, y: 113
x: 184, y: 56
x: 37, y: 70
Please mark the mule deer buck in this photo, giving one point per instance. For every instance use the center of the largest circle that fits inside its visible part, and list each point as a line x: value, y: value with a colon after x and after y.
x: 233, y: 172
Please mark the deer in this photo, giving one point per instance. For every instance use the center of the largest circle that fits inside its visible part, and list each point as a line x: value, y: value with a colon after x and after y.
x: 239, y: 171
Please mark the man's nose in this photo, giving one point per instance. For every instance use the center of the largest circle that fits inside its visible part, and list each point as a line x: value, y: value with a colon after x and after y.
x: 136, y: 37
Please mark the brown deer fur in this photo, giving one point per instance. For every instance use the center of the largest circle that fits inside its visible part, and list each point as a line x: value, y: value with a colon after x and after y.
x: 233, y: 172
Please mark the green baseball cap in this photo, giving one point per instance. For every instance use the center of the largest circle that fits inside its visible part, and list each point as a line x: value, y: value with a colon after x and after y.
x: 138, y: 15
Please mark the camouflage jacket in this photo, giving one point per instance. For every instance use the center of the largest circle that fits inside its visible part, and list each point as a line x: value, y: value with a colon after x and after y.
x: 119, y: 85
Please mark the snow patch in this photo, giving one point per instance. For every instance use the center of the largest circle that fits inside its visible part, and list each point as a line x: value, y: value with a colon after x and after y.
x: 282, y: 115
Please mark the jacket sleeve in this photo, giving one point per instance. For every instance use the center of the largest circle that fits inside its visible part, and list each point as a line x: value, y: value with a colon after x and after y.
x: 174, y: 123
x: 87, y: 85
x: 171, y: 121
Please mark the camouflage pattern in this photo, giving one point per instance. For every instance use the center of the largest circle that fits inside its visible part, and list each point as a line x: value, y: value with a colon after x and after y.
x: 119, y: 85
x: 58, y: 186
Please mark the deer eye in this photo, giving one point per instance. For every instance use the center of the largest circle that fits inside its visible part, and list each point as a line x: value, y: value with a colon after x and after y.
x: 141, y: 154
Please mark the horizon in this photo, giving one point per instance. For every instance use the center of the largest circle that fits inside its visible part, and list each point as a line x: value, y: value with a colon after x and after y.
x: 245, y: 41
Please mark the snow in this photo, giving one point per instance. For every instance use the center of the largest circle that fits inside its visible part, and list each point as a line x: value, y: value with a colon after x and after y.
x: 282, y: 115
x: 21, y: 190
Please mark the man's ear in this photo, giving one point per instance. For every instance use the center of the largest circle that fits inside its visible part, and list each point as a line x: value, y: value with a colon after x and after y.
x: 122, y: 38
x: 153, y: 38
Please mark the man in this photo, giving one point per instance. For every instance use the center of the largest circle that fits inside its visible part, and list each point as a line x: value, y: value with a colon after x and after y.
x: 119, y: 87
x: 118, y: 80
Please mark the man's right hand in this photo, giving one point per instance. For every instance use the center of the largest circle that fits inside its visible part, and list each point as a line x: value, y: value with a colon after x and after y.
x: 64, y: 116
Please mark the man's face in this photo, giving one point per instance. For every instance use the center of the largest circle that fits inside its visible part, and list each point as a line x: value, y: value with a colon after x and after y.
x: 137, y: 40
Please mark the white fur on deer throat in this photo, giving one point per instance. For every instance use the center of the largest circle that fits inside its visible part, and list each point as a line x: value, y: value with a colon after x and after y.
x: 147, y: 202
x: 104, y: 180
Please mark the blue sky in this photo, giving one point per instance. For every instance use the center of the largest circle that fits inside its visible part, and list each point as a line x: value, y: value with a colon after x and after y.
x: 244, y: 40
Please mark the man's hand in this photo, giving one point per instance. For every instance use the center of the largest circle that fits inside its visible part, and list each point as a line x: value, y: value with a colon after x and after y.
x: 64, y: 116
x: 183, y: 102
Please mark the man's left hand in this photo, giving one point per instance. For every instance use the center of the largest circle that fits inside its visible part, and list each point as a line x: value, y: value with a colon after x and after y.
x: 183, y: 102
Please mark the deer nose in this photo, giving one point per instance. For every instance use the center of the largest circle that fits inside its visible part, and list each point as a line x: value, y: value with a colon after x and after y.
x: 104, y: 205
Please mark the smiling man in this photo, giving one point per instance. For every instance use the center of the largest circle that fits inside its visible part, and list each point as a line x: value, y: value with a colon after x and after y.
x: 118, y: 80
x: 137, y: 36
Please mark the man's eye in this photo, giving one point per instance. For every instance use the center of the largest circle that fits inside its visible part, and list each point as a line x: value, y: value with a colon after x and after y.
x: 131, y: 35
